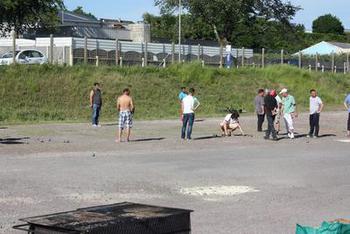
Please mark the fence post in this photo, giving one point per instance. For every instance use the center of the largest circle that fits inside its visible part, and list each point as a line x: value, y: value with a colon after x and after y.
x: 173, y: 53
x: 344, y: 67
x: 51, y: 48
x: 310, y: 67
x: 85, y: 50
x: 335, y: 69
x: 97, y: 61
x: 143, y: 62
x: 322, y: 68
x: 203, y: 63
x: 14, y: 47
x: 116, y: 52
x: 199, y: 52
x: 121, y: 61
x: 316, y: 62
x: 71, y: 54
x: 347, y: 62
x: 243, y: 55
x: 164, y: 63
x: 333, y: 62
x: 221, y: 54
x: 146, y: 54
x: 237, y: 56
x: 64, y: 60
x: 282, y: 57
x: 300, y: 62
x: 263, y: 58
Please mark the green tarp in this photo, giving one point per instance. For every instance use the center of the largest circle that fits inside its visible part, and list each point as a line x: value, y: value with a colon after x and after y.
x: 326, y: 228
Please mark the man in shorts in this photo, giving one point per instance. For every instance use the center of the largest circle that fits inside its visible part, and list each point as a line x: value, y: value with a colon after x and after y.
x: 289, y: 111
x: 126, y: 109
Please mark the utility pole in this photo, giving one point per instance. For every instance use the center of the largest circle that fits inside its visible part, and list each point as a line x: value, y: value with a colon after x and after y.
x: 180, y: 12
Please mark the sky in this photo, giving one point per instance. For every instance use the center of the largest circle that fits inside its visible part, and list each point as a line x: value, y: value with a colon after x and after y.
x: 134, y: 9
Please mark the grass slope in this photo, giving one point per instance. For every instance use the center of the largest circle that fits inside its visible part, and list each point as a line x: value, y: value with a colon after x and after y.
x: 54, y: 93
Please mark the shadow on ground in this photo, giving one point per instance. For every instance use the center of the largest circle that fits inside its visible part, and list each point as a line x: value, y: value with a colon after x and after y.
x: 148, y: 139
x: 13, y: 141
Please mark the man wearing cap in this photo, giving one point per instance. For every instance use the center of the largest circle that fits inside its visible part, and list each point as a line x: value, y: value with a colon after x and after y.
x: 271, y: 111
x: 289, y: 111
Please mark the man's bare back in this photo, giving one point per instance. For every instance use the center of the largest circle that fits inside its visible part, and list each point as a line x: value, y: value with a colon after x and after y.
x: 125, y: 103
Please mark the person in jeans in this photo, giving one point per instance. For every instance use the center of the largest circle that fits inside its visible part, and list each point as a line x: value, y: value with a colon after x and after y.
x: 347, y: 106
x: 259, y: 108
x: 96, y: 104
x: 188, y: 107
x: 271, y: 107
x: 289, y: 111
x: 316, y: 106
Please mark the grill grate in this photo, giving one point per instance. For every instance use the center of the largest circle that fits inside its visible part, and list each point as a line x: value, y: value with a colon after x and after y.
x: 126, y: 218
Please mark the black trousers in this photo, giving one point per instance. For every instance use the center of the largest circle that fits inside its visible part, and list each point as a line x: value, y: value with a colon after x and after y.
x: 261, y: 119
x: 271, y: 126
x: 314, y: 124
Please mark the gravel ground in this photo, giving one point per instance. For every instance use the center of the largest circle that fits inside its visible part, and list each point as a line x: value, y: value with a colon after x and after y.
x: 241, y: 184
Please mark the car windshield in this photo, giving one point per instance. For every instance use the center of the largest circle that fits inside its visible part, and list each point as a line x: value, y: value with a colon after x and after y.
x: 9, y: 55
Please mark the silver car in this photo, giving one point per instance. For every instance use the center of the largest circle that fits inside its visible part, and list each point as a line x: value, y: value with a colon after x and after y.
x: 24, y: 57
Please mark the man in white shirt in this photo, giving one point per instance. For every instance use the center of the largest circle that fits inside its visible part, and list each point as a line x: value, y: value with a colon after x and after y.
x: 316, y: 106
x: 188, y: 106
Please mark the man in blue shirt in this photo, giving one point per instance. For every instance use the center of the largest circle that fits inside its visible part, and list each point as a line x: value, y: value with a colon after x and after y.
x: 347, y: 106
x: 182, y: 94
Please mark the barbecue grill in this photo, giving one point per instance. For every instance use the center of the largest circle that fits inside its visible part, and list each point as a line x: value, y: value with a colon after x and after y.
x: 125, y: 218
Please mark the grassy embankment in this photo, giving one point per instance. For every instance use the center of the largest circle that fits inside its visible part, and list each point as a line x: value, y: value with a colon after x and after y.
x: 54, y: 93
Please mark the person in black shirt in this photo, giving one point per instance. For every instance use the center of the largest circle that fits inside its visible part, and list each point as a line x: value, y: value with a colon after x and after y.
x: 271, y: 107
x: 96, y: 104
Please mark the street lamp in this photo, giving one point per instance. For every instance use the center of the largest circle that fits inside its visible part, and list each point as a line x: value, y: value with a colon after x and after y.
x: 180, y: 12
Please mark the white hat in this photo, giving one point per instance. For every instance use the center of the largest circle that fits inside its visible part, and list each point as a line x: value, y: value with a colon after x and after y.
x: 284, y: 91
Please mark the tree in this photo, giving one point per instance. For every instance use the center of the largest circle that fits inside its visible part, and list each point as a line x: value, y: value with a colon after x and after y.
x: 21, y: 15
x: 165, y: 27
x: 79, y: 10
x: 232, y: 19
x: 328, y: 24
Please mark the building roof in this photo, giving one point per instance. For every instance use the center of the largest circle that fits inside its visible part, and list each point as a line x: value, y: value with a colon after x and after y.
x: 68, y: 16
x: 340, y: 45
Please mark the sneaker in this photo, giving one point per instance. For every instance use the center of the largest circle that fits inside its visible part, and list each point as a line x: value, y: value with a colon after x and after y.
x: 292, y: 136
x: 99, y: 126
x: 315, y: 137
x: 308, y: 136
x: 94, y: 126
x: 289, y: 135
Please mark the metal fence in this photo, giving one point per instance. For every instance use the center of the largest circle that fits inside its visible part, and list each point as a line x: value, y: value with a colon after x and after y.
x: 71, y: 51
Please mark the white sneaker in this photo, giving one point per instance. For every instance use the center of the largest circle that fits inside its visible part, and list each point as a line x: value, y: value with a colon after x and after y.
x: 99, y: 126
x: 94, y: 126
x: 292, y: 136
x: 289, y: 135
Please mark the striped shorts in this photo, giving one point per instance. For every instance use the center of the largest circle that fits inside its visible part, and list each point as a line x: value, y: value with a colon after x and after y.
x: 125, y: 119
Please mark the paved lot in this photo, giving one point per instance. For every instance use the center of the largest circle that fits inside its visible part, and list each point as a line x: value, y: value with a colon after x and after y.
x: 235, y: 185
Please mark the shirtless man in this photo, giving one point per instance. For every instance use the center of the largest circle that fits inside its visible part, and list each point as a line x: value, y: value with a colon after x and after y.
x: 126, y: 109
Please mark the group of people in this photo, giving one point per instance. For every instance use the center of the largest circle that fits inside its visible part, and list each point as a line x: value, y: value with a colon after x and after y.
x: 270, y: 104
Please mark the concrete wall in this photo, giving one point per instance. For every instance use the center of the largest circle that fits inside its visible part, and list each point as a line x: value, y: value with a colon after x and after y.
x: 140, y: 32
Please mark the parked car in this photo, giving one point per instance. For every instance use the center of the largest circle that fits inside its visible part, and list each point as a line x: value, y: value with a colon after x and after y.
x: 24, y: 57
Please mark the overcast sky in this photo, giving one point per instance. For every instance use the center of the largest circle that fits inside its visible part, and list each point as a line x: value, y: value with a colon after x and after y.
x: 133, y: 9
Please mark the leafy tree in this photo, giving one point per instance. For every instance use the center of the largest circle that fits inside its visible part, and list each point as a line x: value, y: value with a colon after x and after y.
x: 230, y: 20
x: 328, y: 24
x: 79, y: 10
x: 166, y: 26
x: 21, y: 15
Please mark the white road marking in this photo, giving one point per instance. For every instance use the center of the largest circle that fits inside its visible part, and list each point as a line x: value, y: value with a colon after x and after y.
x: 217, y: 190
x: 344, y: 141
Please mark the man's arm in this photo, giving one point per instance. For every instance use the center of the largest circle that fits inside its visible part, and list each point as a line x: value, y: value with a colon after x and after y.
x: 321, y: 107
x: 132, y: 107
x: 198, y: 104
x: 91, y: 98
x: 118, y: 104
